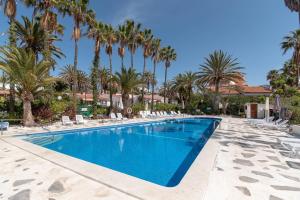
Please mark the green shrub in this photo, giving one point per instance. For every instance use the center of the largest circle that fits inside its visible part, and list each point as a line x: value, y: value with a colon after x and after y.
x: 59, y: 107
x: 137, y: 107
x: 295, y: 115
x: 102, y: 111
x: 165, y: 107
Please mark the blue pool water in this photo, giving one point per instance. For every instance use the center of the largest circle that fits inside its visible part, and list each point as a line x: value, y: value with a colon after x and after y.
x: 159, y: 152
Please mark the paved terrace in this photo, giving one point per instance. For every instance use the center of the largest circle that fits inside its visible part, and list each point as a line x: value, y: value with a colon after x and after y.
x: 249, y: 164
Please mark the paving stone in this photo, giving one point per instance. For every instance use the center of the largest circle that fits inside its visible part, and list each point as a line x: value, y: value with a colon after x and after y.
x: 291, y: 177
x: 25, y: 169
x: 248, y: 155
x: 22, y: 195
x: 244, y: 190
x: 22, y: 182
x: 285, y: 188
x: 220, y: 169
x: 19, y: 160
x: 40, y: 183
x: 274, y: 158
x: 56, y: 187
x: 236, y: 168
x: 263, y: 161
x: 280, y: 166
x: 262, y: 174
x: 275, y: 198
x: 5, y: 181
x: 248, y: 179
x: 294, y: 165
x: 243, y: 162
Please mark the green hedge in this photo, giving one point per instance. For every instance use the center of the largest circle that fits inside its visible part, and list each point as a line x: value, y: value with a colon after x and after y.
x: 165, y: 107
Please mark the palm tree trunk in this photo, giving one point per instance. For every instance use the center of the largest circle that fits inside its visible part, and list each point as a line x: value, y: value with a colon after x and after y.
x: 110, y: 84
x: 122, y: 61
x: 27, y: 113
x: 143, y: 87
x: 75, y: 78
x: 95, y: 79
x: 217, y: 99
x: 152, y: 95
x: 165, y: 84
x: 131, y: 59
x: 13, y: 43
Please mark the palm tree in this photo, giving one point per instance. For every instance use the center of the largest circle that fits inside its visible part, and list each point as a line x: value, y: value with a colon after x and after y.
x: 83, y: 81
x: 96, y: 31
x: 167, y: 55
x: 219, y: 67
x: 33, y: 37
x: 104, y: 79
x: 29, y: 75
x: 134, y: 37
x: 111, y: 39
x: 123, y: 36
x: 145, y: 40
x: 292, y: 42
x: 155, y: 50
x: 293, y: 5
x: 148, y: 78
x: 272, y: 76
x: 10, y: 10
x: 168, y: 90
x: 68, y: 74
x: 127, y: 80
x: 78, y: 9
x: 48, y: 21
x: 184, y: 84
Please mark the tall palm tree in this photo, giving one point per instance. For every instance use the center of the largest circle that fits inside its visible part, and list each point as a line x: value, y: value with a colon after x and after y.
x: 134, y: 38
x: 111, y: 39
x: 96, y: 31
x: 219, y: 67
x: 29, y: 76
x: 10, y: 10
x: 168, y: 55
x: 127, y: 80
x: 145, y: 40
x: 123, y: 36
x: 155, y: 50
x: 292, y: 42
x: 81, y: 14
x: 293, y: 5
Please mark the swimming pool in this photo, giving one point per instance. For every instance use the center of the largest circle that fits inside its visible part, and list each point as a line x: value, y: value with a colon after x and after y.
x: 159, y: 152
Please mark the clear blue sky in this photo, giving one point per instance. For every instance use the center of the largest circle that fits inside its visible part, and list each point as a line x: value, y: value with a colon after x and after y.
x: 249, y: 30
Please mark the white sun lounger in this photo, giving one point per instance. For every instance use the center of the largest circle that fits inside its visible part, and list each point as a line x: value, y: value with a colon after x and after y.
x: 259, y: 121
x: 4, y: 125
x: 79, y: 119
x: 114, y: 117
x: 120, y: 116
x: 66, y: 120
x: 281, y: 125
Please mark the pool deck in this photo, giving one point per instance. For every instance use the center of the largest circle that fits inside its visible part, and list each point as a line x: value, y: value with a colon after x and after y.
x: 238, y: 162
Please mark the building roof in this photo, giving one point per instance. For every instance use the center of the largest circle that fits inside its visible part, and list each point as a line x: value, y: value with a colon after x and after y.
x: 4, y: 92
x: 246, y: 90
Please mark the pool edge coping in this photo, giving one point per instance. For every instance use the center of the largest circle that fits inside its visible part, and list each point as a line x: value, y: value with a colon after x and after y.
x: 192, y: 186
